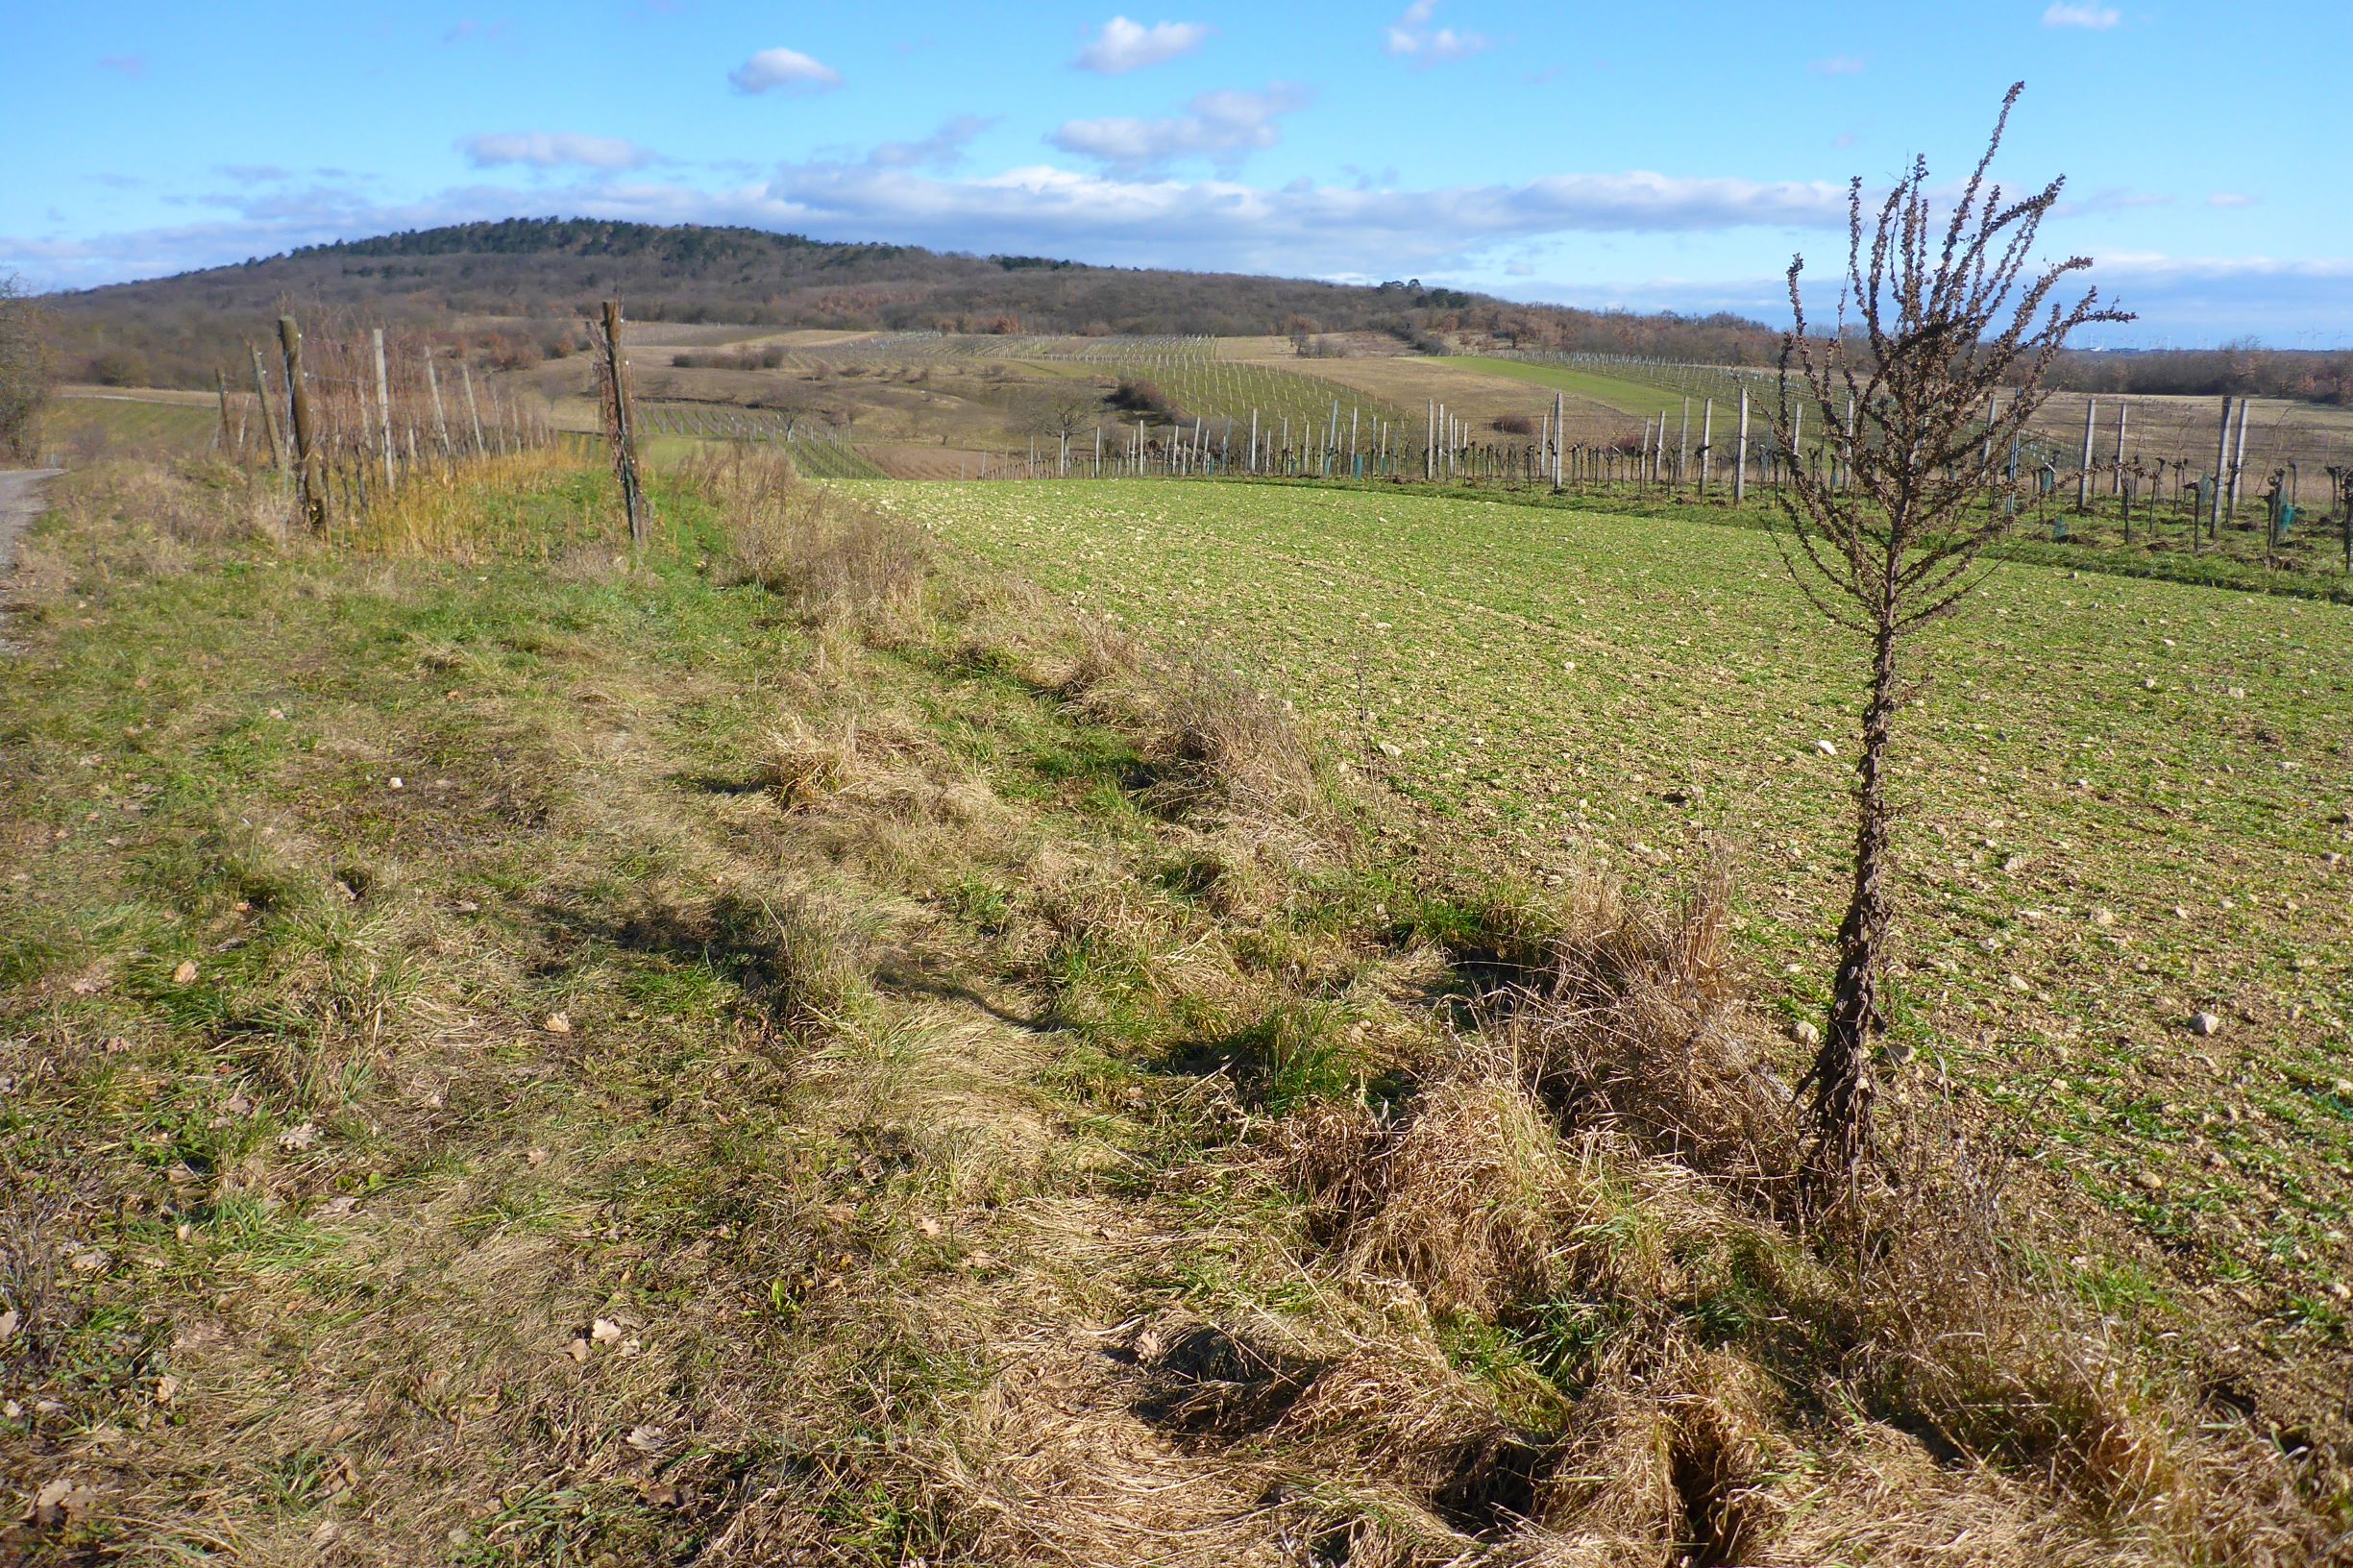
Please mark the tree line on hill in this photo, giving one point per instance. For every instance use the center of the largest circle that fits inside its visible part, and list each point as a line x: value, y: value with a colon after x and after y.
x: 519, y: 289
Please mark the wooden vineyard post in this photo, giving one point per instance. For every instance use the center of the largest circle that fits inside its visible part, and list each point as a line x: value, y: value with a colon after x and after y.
x: 220, y: 379
x: 1560, y: 407
x: 2221, y: 469
x: 2238, y: 458
x: 2083, y: 480
x: 384, y: 407
x: 474, y: 410
x: 269, y: 421
x: 618, y: 427
x: 441, y: 423
x: 1740, y: 453
x: 2123, y: 414
x: 1682, y: 445
x: 309, y: 466
x: 1707, y: 442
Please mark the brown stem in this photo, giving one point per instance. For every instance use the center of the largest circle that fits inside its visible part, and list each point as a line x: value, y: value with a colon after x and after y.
x: 1845, y: 1086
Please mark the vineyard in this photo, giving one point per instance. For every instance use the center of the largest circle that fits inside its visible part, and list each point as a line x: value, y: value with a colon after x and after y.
x: 817, y: 450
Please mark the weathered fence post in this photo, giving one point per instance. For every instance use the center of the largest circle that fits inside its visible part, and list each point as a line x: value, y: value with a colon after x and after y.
x: 2221, y: 469
x: 1740, y: 453
x: 309, y: 466
x: 441, y: 424
x: 269, y: 421
x: 474, y: 410
x: 1707, y: 439
x: 619, y: 429
x: 220, y: 379
x: 1560, y: 437
x: 384, y: 407
x: 2238, y: 458
x: 2083, y: 479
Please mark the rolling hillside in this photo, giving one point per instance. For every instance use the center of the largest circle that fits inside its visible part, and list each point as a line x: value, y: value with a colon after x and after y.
x: 522, y: 283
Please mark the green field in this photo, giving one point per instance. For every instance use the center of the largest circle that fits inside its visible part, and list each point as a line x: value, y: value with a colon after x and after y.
x: 86, y: 425
x: 2122, y: 797
x: 1628, y: 397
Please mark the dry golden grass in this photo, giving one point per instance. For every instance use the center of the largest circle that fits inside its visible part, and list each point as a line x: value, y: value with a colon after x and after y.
x: 827, y: 556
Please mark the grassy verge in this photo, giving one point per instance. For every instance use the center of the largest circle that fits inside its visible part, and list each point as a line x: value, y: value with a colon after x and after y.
x: 794, y: 1049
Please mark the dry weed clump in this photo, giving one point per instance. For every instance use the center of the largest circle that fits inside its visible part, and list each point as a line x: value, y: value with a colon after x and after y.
x: 1394, y: 1409
x: 1465, y: 1200
x: 1602, y: 1175
x: 1224, y: 743
x: 1633, y: 1022
x: 802, y: 766
x: 1047, y: 1465
x: 196, y: 503
x: 830, y: 559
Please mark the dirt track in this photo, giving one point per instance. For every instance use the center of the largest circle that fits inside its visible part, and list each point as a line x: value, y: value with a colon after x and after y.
x: 20, y: 502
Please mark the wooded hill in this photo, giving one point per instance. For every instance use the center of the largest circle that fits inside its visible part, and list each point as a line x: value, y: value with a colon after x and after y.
x: 548, y: 271
x: 521, y: 286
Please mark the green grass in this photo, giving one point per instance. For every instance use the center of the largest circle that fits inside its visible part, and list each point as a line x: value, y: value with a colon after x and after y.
x: 125, y: 425
x: 2094, y: 754
x: 1626, y: 397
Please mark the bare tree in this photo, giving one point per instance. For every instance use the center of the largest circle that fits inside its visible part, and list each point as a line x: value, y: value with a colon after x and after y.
x: 1919, y: 397
x: 25, y: 367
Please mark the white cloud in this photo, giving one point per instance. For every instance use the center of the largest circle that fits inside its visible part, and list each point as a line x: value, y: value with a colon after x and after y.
x: 2066, y: 13
x: 2230, y: 198
x: 1299, y: 228
x: 1837, y: 65
x: 788, y: 69
x: 1223, y: 127
x: 943, y: 149
x: 1411, y: 38
x: 545, y: 150
x: 1127, y: 46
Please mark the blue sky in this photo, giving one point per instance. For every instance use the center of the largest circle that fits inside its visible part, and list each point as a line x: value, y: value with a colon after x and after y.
x: 1645, y: 157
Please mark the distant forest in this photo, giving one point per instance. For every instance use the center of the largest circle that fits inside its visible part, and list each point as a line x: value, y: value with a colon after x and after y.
x: 545, y: 275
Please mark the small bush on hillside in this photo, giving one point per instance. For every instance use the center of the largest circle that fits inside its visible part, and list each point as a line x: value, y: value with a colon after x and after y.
x: 1138, y: 396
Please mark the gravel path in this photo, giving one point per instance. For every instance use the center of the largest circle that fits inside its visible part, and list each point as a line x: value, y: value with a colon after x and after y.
x: 20, y: 502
